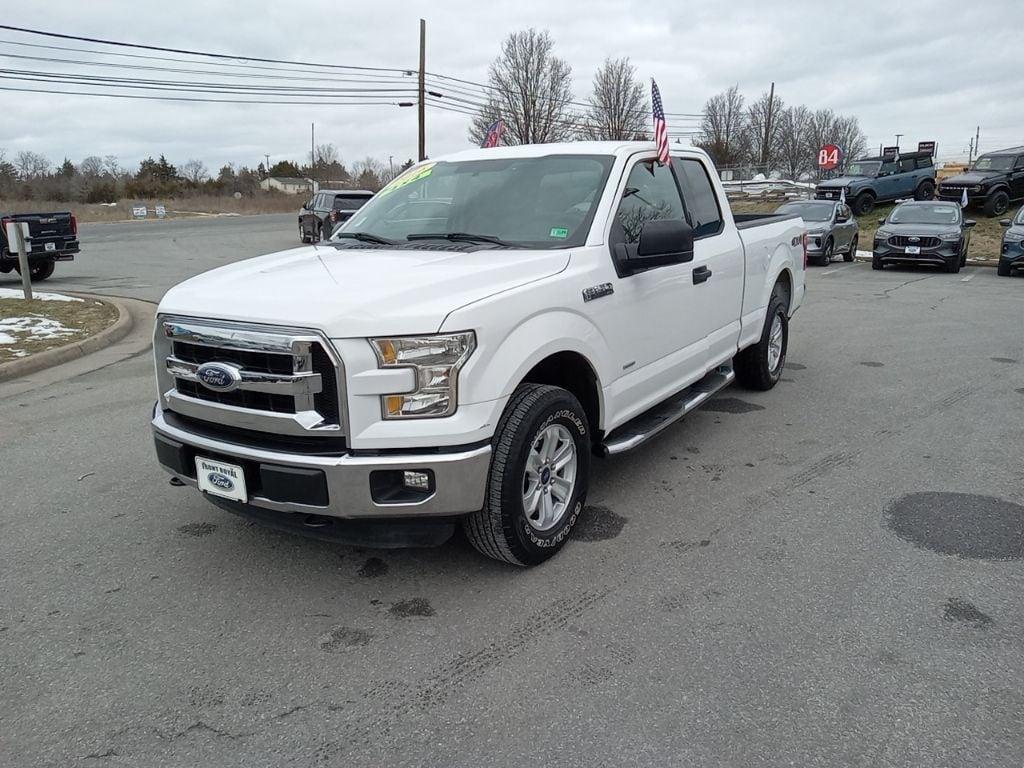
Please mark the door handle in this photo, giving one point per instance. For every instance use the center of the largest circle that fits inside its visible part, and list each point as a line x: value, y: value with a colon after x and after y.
x: 701, y: 275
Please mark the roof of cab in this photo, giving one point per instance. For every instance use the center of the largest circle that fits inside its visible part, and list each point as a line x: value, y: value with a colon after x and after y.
x: 613, y: 148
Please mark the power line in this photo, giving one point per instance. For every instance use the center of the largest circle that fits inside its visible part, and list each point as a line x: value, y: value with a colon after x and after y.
x: 192, y: 99
x: 207, y: 54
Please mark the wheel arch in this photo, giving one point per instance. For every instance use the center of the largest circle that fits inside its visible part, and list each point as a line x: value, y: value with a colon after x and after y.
x: 572, y: 372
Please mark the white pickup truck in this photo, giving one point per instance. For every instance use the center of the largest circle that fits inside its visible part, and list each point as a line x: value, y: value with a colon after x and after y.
x: 464, y: 344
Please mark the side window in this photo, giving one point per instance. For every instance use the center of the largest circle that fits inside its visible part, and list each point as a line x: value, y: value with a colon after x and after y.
x: 907, y: 165
x: 924, y: 162
x: 888, y: 168
x: 1020, y: 163
x: 701, y: 202
x: 651, y: 193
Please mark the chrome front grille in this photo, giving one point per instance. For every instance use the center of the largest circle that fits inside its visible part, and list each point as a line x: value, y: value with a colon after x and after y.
x: 283, y: 380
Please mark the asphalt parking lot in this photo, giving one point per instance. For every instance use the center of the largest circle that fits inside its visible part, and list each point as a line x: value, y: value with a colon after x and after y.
x: 826, y: 574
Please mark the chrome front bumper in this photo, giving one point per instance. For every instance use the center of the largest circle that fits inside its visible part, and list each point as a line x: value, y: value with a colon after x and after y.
x: 460, y: 477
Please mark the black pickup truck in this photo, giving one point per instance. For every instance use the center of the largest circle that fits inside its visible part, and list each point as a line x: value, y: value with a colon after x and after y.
x: 53, y: 237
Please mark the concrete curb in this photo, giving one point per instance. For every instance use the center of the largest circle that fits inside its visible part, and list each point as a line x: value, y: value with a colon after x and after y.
x: 112, y: 334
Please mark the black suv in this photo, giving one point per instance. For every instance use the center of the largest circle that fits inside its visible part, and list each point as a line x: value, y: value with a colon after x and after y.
x: 327, y: 210
x: 994, y: 181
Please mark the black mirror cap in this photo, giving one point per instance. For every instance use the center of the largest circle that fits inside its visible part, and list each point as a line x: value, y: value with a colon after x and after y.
x: 1005, y: 223
x: 881, y: 222
x: 968, y: 223
x: 664, y: 241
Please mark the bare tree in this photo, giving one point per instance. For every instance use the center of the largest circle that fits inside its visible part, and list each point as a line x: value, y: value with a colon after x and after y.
x: 618, y: 109
x: 763, y: 131
x: 723, y: 127
x: 194, y: 172
x: 91, y: 167
x: 531, y: 90
x: 826, y: 127
x: 112, y: 166
x: 794, y: 156
x: 326, y: 154
x: 31, y: 165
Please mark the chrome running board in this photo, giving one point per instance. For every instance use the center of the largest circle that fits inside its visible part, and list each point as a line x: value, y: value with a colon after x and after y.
x: 638, y: 431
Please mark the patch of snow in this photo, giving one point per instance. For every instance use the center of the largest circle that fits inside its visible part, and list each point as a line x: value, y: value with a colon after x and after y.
x: 13, y: 329
x: 17, y: 293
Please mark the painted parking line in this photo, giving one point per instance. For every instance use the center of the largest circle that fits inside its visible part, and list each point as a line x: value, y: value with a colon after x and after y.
x: 837, y: 269
x: 969, y: 277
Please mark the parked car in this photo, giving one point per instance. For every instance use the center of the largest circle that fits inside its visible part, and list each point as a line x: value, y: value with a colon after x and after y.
x: 993, y: 182
x: 53, y: 237
x: 831, y: 228
x: 420, y: 371
x: 933, y: 232
x: 327, y: 210
x: 876, y: 180
x: 1011, y: 257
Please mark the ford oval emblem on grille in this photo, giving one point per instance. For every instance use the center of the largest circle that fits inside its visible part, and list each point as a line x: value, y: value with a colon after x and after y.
x: 221, y: 481
x: 915, y: 239
x: 220, y: 377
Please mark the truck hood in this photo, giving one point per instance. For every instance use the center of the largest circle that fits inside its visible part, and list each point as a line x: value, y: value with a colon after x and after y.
x: 351, y: 292
x: 842, y: 181
x: 971, y: 178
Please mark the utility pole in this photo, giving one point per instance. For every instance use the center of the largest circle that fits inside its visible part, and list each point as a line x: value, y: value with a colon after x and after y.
x: 266, y: 168
x: 768, y: 129
x: 970, y: 151
x: 422, y: 91
x: 977, y: 138
x: 312, y: 154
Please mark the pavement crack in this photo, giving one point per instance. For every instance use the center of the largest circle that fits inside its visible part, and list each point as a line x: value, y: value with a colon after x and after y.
x: 887, y: 293
x: 200, y: 726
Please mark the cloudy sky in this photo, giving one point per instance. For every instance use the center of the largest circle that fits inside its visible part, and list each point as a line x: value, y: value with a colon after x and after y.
x: 928, y: 70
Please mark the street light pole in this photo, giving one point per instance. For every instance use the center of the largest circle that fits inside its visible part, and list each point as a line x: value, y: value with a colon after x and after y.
x: 422, y: 91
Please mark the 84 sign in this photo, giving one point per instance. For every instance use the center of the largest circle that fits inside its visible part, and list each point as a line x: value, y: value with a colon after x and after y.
x: 828, y: 157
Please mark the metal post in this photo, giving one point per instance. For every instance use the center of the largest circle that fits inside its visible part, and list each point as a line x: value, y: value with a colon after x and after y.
x: 312, y: 155
x: 422, y: 91
x: 26, y: 278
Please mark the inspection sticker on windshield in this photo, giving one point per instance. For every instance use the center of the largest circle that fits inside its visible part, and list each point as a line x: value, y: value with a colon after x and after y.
x: 559, y: 232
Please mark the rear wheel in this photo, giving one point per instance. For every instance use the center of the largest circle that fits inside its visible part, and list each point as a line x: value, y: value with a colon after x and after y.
x: 997, y: 204
x: 925, y: 190
x: 39, y: 269
x: 850, y: 254
x: 538, y: 480
x: 303, y: 236
x: 1003, y: 269
x: 826, y: 255
x: 760, y: 366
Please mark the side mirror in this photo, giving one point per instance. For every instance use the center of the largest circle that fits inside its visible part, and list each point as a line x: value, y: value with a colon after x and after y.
x: 308, y: 205
x: 662, y: 242
x: 1005, y: 223
x: 969, y: 223
x: 881, y: 222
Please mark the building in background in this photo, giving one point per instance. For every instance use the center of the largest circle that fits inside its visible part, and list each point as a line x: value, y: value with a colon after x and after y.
x: 289, y: 185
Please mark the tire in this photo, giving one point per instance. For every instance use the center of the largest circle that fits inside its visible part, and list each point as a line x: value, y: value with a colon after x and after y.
x: 953, y: 266
x: 877, y: 264
x: 536, y: 418
x: 925, y: 190
x: 826, y: 255
x: 38, y: 270
x: 863, y: 204
x: 852, y: 253
x: 997, y: 204
x: 754, y: 366
x: 963, y: 257
x: 303, y: 236
x: 1002, y: 269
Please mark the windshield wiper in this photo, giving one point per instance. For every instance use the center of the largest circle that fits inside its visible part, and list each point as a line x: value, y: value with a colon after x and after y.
x: 365, y: 237
x: 461, y: 237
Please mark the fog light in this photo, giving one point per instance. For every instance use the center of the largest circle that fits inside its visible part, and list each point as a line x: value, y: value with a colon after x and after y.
x: 417, y: 481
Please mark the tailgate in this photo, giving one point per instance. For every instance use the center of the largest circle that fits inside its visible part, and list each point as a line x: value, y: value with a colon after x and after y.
x: 48, y: 226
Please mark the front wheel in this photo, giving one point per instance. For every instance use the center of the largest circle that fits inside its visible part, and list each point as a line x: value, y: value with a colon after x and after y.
x: 1003, y: 269
x: 877, y: 264
x: 760, y: 366
x: 864, y: 204
x: 925, y: 191
x: 538, y: 480
x: 826, y: 255
x: 953, y: 265
x: 850, y: 254
x: 997, y: 204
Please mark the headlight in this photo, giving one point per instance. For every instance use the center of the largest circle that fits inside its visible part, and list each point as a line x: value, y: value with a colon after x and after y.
x: 1014, y: 237
x: 975, y: 188
x: 436, y: 361
x: 882, y: 234
x: 950, y: 237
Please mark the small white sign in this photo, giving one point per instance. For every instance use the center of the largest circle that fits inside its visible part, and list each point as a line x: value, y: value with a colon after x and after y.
x: 12, y: 234
x: 161, y: 211
x: 139, y: 211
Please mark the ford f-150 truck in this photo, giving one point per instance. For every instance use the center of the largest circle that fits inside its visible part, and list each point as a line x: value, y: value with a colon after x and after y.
x: 465, y: 343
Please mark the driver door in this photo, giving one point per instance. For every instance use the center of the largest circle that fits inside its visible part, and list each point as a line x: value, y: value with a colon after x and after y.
x: 651, y: 321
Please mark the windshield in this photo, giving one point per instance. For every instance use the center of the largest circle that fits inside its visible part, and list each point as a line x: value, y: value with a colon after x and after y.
x: 1020, y: 217
x: 862, y: 168
x: 349, y: 202
x: 534, y: 202
x: 809, y: 211
x: 993, y: 163
x: 925, y: 214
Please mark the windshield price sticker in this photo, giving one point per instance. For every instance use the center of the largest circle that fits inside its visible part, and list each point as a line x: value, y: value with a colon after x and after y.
x: 413, y: 174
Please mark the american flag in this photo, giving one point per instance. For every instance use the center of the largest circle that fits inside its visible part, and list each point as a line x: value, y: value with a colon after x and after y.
x: 493, y: 137
x: 660, y: 127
